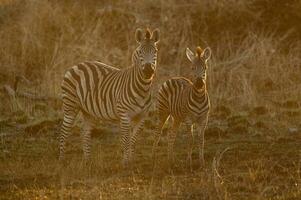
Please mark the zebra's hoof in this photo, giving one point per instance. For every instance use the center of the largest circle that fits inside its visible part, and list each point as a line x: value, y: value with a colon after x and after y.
x: 61, y: 159
x: 125, y: 163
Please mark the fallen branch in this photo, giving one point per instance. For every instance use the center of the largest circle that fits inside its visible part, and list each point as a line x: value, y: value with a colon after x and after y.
x: 12, y: 93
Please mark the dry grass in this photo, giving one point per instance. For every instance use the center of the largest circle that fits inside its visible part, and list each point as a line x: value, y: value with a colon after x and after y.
x: 252, y: 167
x: 254, y: 79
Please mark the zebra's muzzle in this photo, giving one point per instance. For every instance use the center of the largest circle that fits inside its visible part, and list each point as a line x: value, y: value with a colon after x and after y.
x: 148, y: 70
x: 199, y: 83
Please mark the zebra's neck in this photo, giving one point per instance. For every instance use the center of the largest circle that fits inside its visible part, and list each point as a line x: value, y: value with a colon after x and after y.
x: 139, y: 80
x: 137, y: 72
x: 197, y: 97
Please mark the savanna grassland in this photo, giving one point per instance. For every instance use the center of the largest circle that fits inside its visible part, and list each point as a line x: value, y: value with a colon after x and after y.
x: 253, y: 139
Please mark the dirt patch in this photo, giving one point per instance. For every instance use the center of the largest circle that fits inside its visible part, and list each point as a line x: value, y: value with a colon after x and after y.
x: 259, y: 110
x: 290, y: 105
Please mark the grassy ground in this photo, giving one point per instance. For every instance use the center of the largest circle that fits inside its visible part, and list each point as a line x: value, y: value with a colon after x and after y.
x: 253, y: 140
x: 245, y: 159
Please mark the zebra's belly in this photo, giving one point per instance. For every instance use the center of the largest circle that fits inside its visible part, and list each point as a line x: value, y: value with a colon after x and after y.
x: 188, y: 117
x: 106, y: 111
x: 103, y: 110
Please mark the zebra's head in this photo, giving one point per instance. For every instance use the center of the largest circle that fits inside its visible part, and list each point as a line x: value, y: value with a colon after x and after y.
x: 145, y: 56
x: 199, y: 65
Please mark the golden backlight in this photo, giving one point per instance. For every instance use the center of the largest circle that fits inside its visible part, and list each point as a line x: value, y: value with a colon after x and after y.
x: 253, y: 138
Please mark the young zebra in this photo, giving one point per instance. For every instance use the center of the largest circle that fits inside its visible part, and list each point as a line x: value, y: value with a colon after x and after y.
x: 186, y: 102
x: 105, y: 93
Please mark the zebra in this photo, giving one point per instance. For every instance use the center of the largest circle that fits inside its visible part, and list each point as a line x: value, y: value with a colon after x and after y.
x: 105, y: 93
x: 185, y: 101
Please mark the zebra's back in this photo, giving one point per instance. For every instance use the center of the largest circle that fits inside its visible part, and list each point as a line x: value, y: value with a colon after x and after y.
x: 80, y: 89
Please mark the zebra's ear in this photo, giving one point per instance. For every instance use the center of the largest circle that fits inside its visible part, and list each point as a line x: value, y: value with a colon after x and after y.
x: 189, y: 54
x: 156, y: 35
x: 206, y: 53
x: 139, y: 35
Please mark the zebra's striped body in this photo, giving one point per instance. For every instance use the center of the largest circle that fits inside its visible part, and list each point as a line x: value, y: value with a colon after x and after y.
x: 185, y: 102
x: 105, y: 93
x: 180, y: 99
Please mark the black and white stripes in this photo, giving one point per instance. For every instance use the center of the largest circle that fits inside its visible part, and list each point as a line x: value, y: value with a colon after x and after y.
x: 102, y: 92
x: 185, y: 101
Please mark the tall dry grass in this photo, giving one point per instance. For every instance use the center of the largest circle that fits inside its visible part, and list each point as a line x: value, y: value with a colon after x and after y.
x: 256, y: 44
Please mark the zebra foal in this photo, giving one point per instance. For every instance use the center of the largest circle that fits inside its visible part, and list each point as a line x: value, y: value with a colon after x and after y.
x: 102, y: 92
x: 185, y: 101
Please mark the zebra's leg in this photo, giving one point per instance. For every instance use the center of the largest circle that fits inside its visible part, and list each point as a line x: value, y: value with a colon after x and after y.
x: 171, y: 140
x: 86, y: 138
x: 201, y: 138
x: 68, y: 121
x: 162, y: 118
x: 125, y: 129
x: 135, y: 132
x: 190, y: 127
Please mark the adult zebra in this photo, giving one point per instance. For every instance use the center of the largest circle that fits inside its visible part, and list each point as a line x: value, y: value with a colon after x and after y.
x: 102, y: 92
x: 185, y: 101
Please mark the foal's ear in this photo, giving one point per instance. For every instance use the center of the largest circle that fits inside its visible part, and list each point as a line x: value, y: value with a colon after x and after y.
x: 139, y: 35
x: 189, y: 54
x: 156, y: 35
x: 206, y: 53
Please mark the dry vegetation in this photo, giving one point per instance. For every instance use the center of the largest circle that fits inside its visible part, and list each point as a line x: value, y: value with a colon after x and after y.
x: 253, y: 142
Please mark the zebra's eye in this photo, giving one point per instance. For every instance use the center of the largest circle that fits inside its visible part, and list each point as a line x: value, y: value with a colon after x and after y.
x: 193, y: 67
